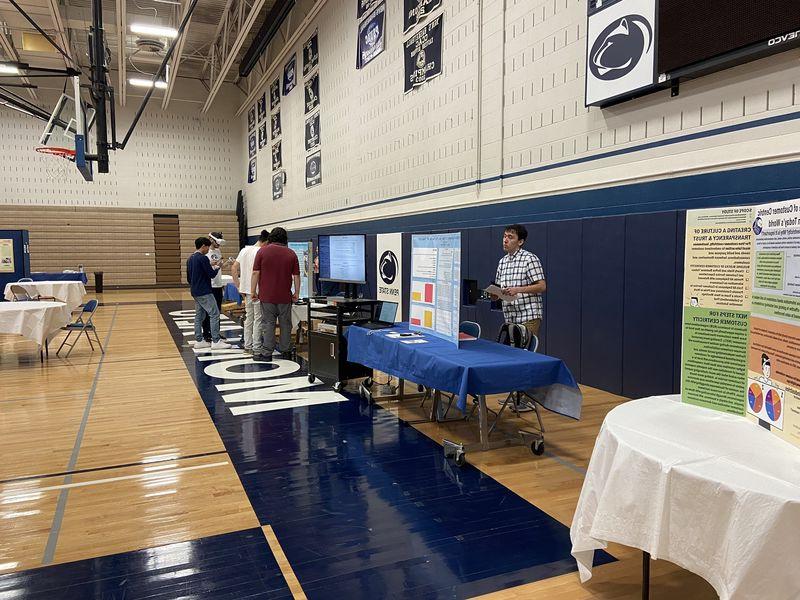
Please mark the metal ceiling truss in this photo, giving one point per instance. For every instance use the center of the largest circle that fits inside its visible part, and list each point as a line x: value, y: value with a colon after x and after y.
x: 237, y: 21
x: 61, y: 34
x: 121, y: 23
x: 176, y: 61
x: 7, y: 44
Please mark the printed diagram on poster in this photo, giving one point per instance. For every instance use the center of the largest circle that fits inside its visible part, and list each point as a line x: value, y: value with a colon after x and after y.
x: 435, y: 295
x: 251, y: 119
x: 278, y: 180
x: 251, y: 171
x: 262, y: 135
x: 312, y: 92
x: 6, y: 256
x: 274, y: 94
x: 390, y: 270
x: 290, y: 75
x: 275, y: 120
x: 312, y: 132
x: 252, y: 145
x: 415, y: 11
x: 423, y: 55
x: 371, y: 36
x: 277, y: 158
x: 303, y: 252
x: 620, y: 50
x: 262, y: 107
x: 311, y: 53
x: 314, y: 169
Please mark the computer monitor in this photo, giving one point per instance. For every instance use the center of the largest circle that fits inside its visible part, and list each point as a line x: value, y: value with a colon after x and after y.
x: 386, y: 313
x: 342, y: 258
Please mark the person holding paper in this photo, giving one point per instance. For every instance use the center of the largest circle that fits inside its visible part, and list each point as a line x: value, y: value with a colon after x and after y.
x: 521, y: 278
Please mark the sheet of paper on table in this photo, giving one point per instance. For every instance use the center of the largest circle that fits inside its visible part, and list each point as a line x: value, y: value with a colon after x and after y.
x: 395, y: 335
x: 418, y: 341
x: 495, y: 290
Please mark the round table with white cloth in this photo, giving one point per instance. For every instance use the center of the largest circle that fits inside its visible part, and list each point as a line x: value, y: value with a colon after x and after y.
x: 714, y: 493
x: 69, y: 292
x: 36, y: 320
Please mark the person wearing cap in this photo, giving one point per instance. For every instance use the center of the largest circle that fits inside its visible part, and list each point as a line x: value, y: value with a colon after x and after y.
x: 199, y: 272
x: 215, y: 256
x: 242, y: 272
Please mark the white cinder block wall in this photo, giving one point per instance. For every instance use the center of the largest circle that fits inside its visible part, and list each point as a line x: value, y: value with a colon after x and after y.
x: 510, y: 99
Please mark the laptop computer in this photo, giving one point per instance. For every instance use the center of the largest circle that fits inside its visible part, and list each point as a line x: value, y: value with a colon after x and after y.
x: 385, y: 313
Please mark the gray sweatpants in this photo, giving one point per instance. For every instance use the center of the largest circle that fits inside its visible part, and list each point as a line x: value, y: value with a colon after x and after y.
x: 282, y: 313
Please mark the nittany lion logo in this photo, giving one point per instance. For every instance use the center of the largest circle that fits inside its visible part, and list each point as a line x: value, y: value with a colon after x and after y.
x: 387, y: 267
x: 372, y: 35
x: 620, y: 47
x: 312, y: 167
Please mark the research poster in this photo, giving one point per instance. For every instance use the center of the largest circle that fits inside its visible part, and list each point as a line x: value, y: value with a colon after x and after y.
x: 435, y: 295
x: 741, y: 314
x: 389, y: 268
x: 6, y: 256
x: 303, y: 252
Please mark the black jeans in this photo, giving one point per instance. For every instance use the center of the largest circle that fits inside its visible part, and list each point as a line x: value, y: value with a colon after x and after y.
x: 207, y: 321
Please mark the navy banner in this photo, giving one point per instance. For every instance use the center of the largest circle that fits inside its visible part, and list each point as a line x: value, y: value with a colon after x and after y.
x: 312, y: 132
x: 415, y: 11
x: 277, y: 186
x: 276, y: 125
x: 251, y: 171
x: 251, y: 145
x: 277, y: 160
x: 371, y: 36
x: 262, y: 135
x: 423, y: 55
x: 274, y: 94
x: 312, y: 92
x: 314, y: 169
x: 290, y: 75
x: 262, y: 108
x: 251, y: 118
x: 364, y: 6
x: 310, y: 54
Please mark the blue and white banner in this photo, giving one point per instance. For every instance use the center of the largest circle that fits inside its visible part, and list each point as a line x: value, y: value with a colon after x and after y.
x: 277, y: 159
x: 312, y: 92
x: 416, y: 11
x: 364, y: 6
x: 274, y: 94
x: 252, y: 144
x: 277, y: 185
x: 312, y: 132
x: 371, y: 36
x: 390, y: 270
x: 290, y: 75
x: 262, y: 107
x: 423, y: 55
x: 251, y: 118
x: 276, y: 125
x: 262, y: 135
x: 314, y: 169
x: 251, y: 171
x: 311, y: 53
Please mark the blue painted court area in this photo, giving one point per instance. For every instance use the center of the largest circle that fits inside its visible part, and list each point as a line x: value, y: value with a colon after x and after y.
x: 231, y: 566
x: 363, y: 506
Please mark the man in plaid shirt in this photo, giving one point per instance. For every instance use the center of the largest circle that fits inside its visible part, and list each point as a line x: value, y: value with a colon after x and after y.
x: 520, y: 274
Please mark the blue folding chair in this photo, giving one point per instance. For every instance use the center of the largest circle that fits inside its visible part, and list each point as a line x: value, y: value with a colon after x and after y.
x: 25, y: 280
x: 82, y: 325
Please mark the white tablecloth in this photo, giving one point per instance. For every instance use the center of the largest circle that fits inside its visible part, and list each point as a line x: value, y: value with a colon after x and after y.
x: 69, y: 292
x: 36, y: 321
x: 713, y: 493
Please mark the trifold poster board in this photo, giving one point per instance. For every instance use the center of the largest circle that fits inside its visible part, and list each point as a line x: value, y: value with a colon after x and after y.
x: 741, y: 314
x: 303, y: 251
x: 390, y: 269
x: 435, y: 298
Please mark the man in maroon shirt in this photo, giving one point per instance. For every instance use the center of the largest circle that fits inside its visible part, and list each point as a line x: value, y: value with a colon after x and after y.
x: 274, y: 270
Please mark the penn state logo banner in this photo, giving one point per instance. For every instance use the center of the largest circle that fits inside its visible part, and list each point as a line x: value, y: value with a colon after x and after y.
x: 312, y: 92
x: 423, y: 55
x: 262, y: 107
x: 390, y: 273
x: 314, y: 169
x: 416, y: 11
x: 312, y: 132
x: 311, y: 53
x: 275, y: 121
x: 620, y: 50
x: 262, y: 135
x: 251, y: 171
x: 290, y: 75
x: 277, y: 160
x: 277, y: 185
x: 252, y: 144
x: 371, y: 36
x: 274, y: 94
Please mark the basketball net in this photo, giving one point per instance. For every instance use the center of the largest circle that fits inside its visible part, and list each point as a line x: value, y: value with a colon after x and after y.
x: 57, y: 167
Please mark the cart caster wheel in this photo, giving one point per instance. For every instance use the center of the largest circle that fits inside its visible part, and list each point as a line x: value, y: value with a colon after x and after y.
x: 311, y: 378
x: 537, y: 448
x: 460, y: 459
x: 337, y: 387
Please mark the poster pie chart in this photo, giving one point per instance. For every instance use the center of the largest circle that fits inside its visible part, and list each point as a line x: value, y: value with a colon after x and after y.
x: 755, y: 398
x: 773, y: 405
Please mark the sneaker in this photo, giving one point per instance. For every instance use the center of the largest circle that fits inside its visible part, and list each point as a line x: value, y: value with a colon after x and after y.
x: 248, y: 350
x: 289, y: 355
x: 220, y: 345
x: 262, y: 356
x: 202, y: 344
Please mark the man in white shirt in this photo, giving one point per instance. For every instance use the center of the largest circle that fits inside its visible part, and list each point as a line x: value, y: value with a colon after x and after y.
x: 242, y: 272
x: 215, y: 256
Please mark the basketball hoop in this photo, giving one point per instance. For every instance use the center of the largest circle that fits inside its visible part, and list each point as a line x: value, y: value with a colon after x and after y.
x: 67, y: 153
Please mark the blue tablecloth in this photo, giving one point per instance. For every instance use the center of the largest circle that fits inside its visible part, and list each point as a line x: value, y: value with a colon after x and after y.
x: 477, y: 367
x: 41, y: 276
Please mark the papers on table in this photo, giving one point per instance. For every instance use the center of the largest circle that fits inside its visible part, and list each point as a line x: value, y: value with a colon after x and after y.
x: 416, y: 341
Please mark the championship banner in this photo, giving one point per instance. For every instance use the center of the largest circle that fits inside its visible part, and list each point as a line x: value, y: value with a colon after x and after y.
x: 290, y: 75
x: 262, y: 135
x: 423, y: 55
x: 276, y: 125
x: 251, y: 171
x: 7, y: 256
x: 277, y: 185
x: 620, y: 50
x: 251, y: 145
x: 312, y: 132
x: 274, y: 94
x: 312, y: 92
x: 364, y: 6
x: 389, y: 269
x: 251, y: 119
x: 741, y: 314
x: 311, y: 53
x: 371, y: 36
x: 314, y: 169
x: 262, y: 107
x: 415, y: 11
x: 277, y: 160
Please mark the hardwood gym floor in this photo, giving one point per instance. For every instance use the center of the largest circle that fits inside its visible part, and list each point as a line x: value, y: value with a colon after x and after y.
x: 121, y: 455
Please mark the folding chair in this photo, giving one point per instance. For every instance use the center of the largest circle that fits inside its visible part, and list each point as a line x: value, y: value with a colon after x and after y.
x: 21, y: 295
x: 470, y: 328
x: 25, y: 280
x: 82, y: 326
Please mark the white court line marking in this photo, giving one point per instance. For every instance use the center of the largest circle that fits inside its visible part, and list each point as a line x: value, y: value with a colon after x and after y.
x: 255, y: 408
x: 156, y: 475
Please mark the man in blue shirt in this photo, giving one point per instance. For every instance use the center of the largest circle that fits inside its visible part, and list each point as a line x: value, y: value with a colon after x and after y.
x: 199, y: 273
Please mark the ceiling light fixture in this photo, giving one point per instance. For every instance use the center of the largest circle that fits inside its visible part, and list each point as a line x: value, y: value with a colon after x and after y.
x: 143, y: 29
x: 137, y: 82
x: 9, y: 69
